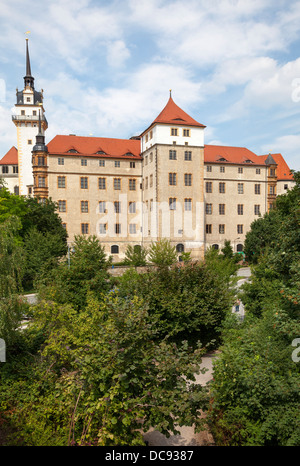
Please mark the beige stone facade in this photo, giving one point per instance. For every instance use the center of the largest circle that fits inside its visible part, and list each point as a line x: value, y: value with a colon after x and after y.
x: 165, y: 183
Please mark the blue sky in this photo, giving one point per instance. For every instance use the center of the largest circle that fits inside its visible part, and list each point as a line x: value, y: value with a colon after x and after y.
x: 106, y: 67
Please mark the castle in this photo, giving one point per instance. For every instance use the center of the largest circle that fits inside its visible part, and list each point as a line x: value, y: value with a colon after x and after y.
x: 166, y: 182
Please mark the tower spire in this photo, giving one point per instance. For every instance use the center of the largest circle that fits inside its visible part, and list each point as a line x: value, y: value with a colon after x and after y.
x: 28, y: 79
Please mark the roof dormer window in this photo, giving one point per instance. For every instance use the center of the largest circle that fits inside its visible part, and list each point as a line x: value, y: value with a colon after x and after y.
x: 72, y: 151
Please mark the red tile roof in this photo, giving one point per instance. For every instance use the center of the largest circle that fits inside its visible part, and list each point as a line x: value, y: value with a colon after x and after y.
x: 174, y: 115
x: 283, y: 170
x: 228, y: 154
x: 10, y: 158
x: 91, y: 146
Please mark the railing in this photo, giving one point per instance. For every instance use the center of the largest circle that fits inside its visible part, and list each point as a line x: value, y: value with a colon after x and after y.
x: 28, y: 117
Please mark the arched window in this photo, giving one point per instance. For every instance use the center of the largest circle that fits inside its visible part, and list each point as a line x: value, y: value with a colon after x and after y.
x: 215, y: 246
x: 114, y: 249
x: 239, y: 248
x: 180, y: 247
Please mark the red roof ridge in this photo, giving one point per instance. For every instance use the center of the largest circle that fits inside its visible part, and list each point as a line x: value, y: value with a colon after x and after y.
x: 11, y: 157
x: 172, y: 114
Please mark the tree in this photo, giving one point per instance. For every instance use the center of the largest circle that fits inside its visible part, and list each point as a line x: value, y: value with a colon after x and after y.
x: 255, y: 393
x: 101, y: 377
x: 162, y: 254
x: 188, y: 302
x: 86, y: 270
x: 136, y: 255
x: 12, y: 262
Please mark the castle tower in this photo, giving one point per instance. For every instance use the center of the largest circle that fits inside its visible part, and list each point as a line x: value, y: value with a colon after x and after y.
x: 40, y: 165
x: 173, y: 176
x: 27, y: 109
x: 271, y: 181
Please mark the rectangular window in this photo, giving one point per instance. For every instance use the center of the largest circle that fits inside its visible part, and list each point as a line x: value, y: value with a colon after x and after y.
x: 208, y: 229
x: 117, y: 163
x: 84, y: 182
x: 257, y: 209
x: 117, y: 207
x: 15, y: 169
x: 257, y: 171
x: 188, y: 204
x: 208, y: 168
x: 151, y: 157
x: 272, y: 171
x: 61, y: 161
x: 102, y: 183
x: 102, y: 228
x: 83, y: 162
x: 85, y: 228
x: 101, y: 163
x: 240, y: 169
x: 186, y: 133
x: 132, y: 228
x: 208, y: 186
x: 257, y: 188
x: 132, y: 207
x: 174, y: 132
x: 117, y: 184
x: 221, y: 209
x: 272, y: 190
x: 188, y: 155
x: 172, y: 179
x: 172, y: 203
x: 240, y: 209
x: 61, y: 181
x: 240, y: 229
x: 132, y: 164
x: 132, y: 185
x: 62, y: 206
x: 151, y: 181
x: 84, y: 206
x: 146, y: 182
x: 222, y: 169
x: 222, y: 188
x: 208, y: 209
x: 41, y: 161
x: 102, y: 207
x: 4, y: 168
x: 29, y: 141
x: 172, y: 155
x: 41, y: 182
x: 240, y: 188
x: 117, y: 228
x: 221, y: 229
x: 188, y: 179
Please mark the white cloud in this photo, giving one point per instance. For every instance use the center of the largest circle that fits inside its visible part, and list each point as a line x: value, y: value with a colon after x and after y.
x: 289, y: 143
x: 117, y: 54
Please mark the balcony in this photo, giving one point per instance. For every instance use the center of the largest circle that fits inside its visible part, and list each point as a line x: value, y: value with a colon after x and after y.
x: 29, y: 118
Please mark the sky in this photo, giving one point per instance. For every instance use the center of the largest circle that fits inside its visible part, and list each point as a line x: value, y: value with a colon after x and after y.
x: 106, y: 67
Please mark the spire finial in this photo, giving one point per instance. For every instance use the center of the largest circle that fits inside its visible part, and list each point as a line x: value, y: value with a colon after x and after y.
x: 170, y: 92
x: 28, y: 79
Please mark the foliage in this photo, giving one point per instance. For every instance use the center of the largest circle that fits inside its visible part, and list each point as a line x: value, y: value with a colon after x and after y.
x: 162, y: 253
x: 86, y: 270
x: 255, y: 391
x: 101, y: 377
x: 256, y: 382
x: 188, y: 302
x: 11, y: 272
x: 41, y: 230
x: 136, y: 255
